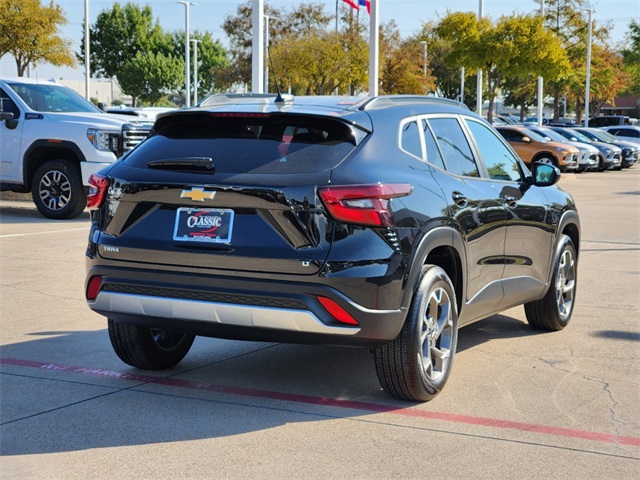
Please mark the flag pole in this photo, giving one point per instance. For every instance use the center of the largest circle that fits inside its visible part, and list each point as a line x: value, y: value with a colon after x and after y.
x: 374, y: 25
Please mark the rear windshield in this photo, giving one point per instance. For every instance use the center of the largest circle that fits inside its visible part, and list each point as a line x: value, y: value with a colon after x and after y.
x: 243, y: 144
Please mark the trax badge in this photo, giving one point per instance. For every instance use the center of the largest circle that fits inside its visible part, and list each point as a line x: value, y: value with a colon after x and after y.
x: 197, y: 194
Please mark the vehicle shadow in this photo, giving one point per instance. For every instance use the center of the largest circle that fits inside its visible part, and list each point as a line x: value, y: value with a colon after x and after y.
x: 26, y: 213
x: 76, y: 395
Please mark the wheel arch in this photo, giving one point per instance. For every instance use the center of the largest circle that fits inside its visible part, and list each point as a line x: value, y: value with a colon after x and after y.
x: 41, y: 151
x: 444, y: 247
x: 545, y: 153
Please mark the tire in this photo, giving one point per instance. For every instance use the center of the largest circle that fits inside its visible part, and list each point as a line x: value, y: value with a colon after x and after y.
x: 146, y: 348
x: 57, y: 190
x: 547, y: 160
x: 554, y: 310
x: 416, y: 365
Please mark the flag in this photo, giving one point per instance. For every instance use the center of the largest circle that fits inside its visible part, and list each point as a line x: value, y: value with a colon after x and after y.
x: 357, y: 3
x: 353, y: 3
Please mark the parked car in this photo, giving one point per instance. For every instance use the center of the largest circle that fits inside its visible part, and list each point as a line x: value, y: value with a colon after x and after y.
x: 534, y: 121
x: 630, y: 152
x: 627, y: 133
x: 610, y: 155
x: 532, y: 148
x: 385, y: 222
x: 588, y: 158
x: 149, y: 113
x: 609, y: 120
x: 52, y: 140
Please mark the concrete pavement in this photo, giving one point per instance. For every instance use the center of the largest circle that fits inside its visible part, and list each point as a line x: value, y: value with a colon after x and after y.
x: 519, y: 403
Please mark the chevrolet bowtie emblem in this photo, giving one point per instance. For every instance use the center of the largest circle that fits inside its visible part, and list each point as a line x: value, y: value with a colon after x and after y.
x: 197, y: 194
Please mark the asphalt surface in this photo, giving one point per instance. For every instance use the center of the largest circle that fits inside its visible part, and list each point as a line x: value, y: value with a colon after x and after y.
x: 519, y: 404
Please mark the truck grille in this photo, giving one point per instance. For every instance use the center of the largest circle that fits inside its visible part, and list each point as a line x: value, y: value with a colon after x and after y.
x: 133, y: 134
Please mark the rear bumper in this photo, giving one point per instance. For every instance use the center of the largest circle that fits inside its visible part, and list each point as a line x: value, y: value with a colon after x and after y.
x: 239, y: 308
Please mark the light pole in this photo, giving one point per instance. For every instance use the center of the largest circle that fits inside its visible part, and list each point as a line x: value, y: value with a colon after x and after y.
x: 266, y: 48
x: 424, y: 65
x: 187, y: 53
x: 257, y: 47
x: 87, y: 54
x: 374, y: 48
x: 588, y: 84
x: 462, y: 85
x: 540, y: 79
x: 195, y: 70
x: 479, y: 84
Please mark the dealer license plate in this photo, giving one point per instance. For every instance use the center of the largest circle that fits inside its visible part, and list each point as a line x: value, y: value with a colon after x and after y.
x: 203, y: 225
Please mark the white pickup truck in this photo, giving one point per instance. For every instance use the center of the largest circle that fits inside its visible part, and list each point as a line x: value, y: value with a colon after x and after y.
x: 52, y: 140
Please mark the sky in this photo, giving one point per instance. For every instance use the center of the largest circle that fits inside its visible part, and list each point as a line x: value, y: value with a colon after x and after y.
x: 408, y: 15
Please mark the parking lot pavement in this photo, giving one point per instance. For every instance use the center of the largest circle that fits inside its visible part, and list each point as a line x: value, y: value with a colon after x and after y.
x: 519, y: 403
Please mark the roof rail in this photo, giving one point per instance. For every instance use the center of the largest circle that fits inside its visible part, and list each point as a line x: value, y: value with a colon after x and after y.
x: 232, y: 98
x: 390, y: 100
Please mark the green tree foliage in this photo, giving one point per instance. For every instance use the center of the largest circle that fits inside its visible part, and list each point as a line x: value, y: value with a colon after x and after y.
x: 631, y: 59
x: 568, y: 20
x: 321, y: 62
x: 150, y: 76
x: 29, y: 32
x: 446, y: 74
x: 515, y: 47
x: 303, y: 20
x: 212, y: 56
x: 118, y: 34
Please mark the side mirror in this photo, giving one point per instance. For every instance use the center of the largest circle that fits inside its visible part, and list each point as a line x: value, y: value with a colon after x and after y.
x: 544, y: 175
x: 10, y: 123
x: 102, y: 106
x: 526, y: 139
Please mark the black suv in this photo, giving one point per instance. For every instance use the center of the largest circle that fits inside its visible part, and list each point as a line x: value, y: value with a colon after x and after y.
x: 384, y: 222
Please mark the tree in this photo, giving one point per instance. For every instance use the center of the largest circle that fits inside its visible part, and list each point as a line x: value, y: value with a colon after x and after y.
x: 321, y: 63
x: 150, y: 76
x: 517, y: 46
x: 402, y: 64
x: 212, y: 56
x: 118, y: 34
x: 301, y: 21
x: 29, y: 32
x: 567, y: 19
x: 631, y: 59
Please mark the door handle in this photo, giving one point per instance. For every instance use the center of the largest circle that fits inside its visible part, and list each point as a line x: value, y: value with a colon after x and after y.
x: 459, y: 199
x: 511, y: 201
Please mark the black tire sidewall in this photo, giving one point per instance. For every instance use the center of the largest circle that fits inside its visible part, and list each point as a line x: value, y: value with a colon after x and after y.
x: 77, y: 200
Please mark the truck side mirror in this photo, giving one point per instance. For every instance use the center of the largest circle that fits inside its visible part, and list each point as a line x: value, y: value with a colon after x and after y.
x: 10, y: 123
x: 102, y: 106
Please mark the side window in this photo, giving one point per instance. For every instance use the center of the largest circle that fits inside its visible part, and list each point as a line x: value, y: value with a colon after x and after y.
x: 410, y: 139
x: 434, y: 157
x: 509, y: 135
x: 500, y: 162
x: 8, y: 105
x: 454, y: 146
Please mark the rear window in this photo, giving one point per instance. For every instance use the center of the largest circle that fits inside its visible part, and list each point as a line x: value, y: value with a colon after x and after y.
x: 262, y: 145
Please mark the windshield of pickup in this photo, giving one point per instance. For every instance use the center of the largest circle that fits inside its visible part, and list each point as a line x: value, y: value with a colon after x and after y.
x: 52, y: 98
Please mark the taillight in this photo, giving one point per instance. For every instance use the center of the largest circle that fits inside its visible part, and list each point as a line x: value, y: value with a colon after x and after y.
x: 93, y: 287
x: 363, y: 204
x: 98, y: 186
x: 337, y: 312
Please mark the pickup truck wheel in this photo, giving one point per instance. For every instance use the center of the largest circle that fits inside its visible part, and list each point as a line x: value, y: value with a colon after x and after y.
x: 554, y: 310
x: 148, y: 348
x: 416, y: 365
x: 57, y: 190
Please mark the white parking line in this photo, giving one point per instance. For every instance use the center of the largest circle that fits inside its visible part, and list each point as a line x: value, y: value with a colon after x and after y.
x: 43, y: 233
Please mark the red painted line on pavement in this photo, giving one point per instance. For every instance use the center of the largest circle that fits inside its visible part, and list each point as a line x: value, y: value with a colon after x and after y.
x: 333, y: 402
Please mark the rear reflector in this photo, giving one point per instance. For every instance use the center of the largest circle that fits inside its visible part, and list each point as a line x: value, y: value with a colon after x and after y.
x: 98, y: 186
x: 363, y: 204
x: 337, y: 312
x: 93, y: 287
